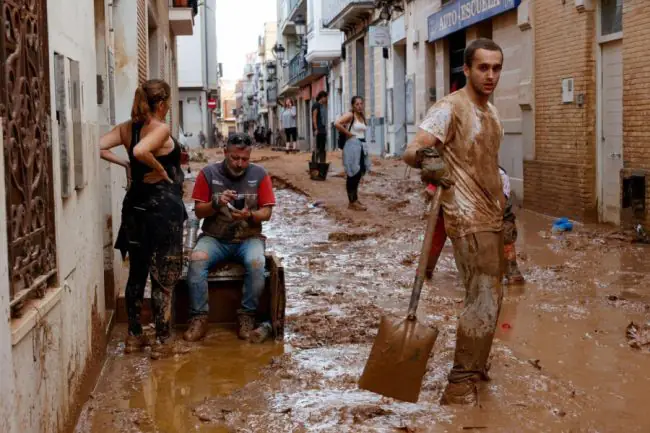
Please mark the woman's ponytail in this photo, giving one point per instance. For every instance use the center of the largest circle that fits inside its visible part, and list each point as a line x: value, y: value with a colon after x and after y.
x: 147, y: 97
x: 140, y: 111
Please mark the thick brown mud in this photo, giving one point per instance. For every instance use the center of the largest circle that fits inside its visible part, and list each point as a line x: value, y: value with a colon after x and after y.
x: 561, y: 362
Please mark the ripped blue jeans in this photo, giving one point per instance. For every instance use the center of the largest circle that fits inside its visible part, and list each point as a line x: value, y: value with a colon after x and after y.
x: 250, y: 253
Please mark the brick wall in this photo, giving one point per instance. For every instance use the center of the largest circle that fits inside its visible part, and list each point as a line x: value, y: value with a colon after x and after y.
x: 636, y: 91
x: 560, y: 180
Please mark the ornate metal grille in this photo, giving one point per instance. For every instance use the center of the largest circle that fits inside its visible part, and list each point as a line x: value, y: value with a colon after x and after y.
x: 25, y: 112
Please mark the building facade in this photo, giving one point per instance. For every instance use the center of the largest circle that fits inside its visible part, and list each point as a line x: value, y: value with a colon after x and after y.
x: 267, y: 84
x: 312, y: 53
x: 590, y: 130
x: 198, y: 77
x: 227, y: 122
x: 59, y: 277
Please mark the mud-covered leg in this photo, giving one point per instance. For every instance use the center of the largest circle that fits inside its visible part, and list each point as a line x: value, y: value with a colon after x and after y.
x: 479, y: 258
x: 134, y: 296
x: 513, y: 274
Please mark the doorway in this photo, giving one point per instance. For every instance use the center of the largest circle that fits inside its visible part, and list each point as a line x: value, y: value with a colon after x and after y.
x: 457, y: 43
x: 610, y: 110
x: 611, y: 140
x: 399, y: 97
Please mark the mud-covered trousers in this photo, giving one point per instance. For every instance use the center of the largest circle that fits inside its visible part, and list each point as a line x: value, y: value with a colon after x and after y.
x: 152, y: 233
x: 480, y: 262
x: 161, y: 294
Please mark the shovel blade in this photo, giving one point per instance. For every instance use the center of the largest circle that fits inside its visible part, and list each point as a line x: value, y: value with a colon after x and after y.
x: 398, y: 359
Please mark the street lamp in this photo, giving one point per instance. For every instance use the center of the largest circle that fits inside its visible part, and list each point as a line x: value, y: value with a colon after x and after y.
x: 278, y: 51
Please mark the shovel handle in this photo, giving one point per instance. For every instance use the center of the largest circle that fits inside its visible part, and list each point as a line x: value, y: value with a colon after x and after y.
x: 434, y: 211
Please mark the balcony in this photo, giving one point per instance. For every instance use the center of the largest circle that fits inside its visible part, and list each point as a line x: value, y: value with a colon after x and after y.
x: 292, y: 11
x: 272, y: 95
x: 181, y: 16
x: 248, y: 70
x: 345, y: 14
x: 302, y: 73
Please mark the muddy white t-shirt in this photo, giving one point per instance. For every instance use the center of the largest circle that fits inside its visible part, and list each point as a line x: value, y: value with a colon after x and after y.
x: 470, y: 137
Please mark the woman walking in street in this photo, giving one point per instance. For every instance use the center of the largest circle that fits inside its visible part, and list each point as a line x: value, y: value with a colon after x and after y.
x: 152, y: 212
x: 356, y: 161
x: 289, y: 124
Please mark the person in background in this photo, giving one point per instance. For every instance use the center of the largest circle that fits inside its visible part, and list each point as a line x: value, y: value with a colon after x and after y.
x: 288, y: 119
x: 234, y: 198
x: 319, y: 126
x: 356, y: 161
x: 202, y: 138
x: 153, y: 212
x: 513, y: 275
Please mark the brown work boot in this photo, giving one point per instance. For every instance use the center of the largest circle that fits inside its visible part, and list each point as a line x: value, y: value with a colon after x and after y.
x: 134, y: 343
x: 245, y: 325
x: 261, y: 334
x: 462, y: 393
x: 357, y: 206
x: 197, y: 329
x: 168, y: 347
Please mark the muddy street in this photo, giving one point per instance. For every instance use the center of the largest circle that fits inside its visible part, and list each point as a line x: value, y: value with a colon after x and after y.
x: 561, y: 361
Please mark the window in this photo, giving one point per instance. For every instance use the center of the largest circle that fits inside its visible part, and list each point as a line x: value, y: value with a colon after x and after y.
x: 611, y: 17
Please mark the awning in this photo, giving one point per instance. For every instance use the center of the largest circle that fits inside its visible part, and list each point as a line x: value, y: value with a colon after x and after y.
x: 464, y: 13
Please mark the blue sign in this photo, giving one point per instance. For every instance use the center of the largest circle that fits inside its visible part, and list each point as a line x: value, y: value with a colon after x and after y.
x: 465, y: 13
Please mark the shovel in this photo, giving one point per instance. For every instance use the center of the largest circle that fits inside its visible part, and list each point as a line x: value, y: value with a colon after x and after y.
x: 399, y: 355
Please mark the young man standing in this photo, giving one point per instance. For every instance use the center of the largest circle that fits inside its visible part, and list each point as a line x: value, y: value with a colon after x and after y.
x: 319, y: 125
x: 234, y: 198
x: 457, y: 148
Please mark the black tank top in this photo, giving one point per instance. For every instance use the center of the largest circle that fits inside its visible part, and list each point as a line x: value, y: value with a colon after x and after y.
x: 170, y: 162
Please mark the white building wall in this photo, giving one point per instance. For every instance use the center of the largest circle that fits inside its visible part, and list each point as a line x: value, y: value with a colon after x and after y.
x: 208, y: 9
x: 194, y: 109
x: 198, y: 71
x: 189, y: 52
x: 46, y: 352
x: 126, y: 81
x: 7, y: 383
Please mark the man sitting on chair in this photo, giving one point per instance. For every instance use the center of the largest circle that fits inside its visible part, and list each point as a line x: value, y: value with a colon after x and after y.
x: 234, y: 198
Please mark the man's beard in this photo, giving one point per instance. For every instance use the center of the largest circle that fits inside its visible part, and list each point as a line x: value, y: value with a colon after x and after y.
x: 235, y: 172
x: 480, y: 90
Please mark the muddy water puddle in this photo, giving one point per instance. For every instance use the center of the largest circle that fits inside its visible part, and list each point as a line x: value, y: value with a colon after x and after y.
x: 560, y: 361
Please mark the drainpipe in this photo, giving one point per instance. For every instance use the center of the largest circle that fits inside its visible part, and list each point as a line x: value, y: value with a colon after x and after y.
x: 384, y: 93
x: 207, y: 120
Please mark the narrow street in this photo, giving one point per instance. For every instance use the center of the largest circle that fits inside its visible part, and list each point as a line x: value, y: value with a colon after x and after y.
x: 560, y: 363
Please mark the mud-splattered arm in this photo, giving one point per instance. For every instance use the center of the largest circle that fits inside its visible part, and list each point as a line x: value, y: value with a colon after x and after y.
x: 433, y: 133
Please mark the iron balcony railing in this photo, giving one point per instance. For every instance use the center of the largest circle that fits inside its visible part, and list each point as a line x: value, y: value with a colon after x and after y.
x: 297, y: 68
x: 272, y: 94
